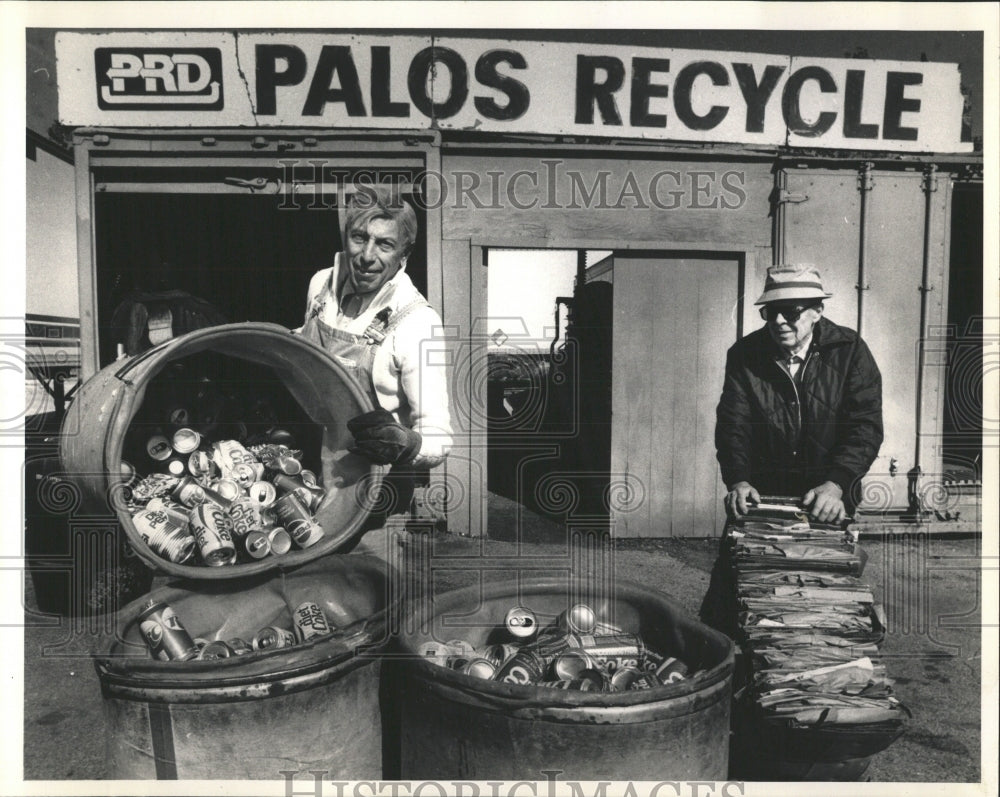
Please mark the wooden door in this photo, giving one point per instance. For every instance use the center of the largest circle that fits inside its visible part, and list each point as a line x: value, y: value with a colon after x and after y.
x: 675, y: 315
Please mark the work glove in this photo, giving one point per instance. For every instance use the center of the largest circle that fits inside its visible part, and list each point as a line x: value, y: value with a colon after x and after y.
x: 382, y: 440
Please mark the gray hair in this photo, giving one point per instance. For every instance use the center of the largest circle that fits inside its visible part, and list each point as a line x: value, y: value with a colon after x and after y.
x: 381, y: 202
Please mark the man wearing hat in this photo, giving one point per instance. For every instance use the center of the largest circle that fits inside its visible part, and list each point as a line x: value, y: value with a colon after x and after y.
x: 801, y: 406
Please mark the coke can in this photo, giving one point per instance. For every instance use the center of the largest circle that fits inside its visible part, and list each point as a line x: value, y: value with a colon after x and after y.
x: 671, y: 671
x: 256, y: 544
x: 272, y: 637
x: 165, y: 636
x: 651, y: 661
x: 549, y: 646
x: 310, y: 622
x: 216, y: 650
x: 521, y: 623
x: 239, y: 646
x: 262, y: 493
x: 570, y: 664
x: 611, y: 652
x: 527, y: 667
x: 186, y: 440
x: 578, y: 619
x: 279, y: 540
x: 297, y: 521
x: 585, y: 685
x: 629, y: 678
x: 159, y: 448
x: 173, y: 541
x: 480, y: 668
x: 189, y: 493
x: 210, y: 526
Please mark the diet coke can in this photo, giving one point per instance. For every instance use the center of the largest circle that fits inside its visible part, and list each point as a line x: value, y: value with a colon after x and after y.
x: 166, y: 637
x: 310, y: 622
x: 272, y: 637
x: 210, y: 526
x: 244, y: 517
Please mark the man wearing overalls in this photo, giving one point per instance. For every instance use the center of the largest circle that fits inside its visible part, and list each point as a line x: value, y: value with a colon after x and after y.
x: 366, y: 312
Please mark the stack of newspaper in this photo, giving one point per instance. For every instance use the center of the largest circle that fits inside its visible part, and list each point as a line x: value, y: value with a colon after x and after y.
x: 811, y: 631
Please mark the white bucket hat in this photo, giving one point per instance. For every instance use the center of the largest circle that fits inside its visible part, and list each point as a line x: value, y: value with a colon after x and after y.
x: 788, y: 282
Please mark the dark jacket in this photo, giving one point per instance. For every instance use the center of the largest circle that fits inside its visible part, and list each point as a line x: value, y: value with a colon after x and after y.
x: 786, y: 438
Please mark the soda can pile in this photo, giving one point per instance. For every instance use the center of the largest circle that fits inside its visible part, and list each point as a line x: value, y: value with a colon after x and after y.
x: 219, y: 503
x: 168, y: 640
x: 575, y: 652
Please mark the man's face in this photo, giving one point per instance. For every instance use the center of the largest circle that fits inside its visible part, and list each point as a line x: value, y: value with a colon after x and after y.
x: 375, y: 251
x: 790, y: 323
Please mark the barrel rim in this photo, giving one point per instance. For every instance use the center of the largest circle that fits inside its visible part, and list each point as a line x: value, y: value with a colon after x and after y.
x: 527, y: 696
x: 113, y: 451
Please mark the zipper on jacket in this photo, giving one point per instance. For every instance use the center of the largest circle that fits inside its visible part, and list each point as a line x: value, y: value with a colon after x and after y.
x: 798, y: 399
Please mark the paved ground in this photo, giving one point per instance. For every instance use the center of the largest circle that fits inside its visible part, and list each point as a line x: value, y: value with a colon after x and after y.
x: 929, y: 587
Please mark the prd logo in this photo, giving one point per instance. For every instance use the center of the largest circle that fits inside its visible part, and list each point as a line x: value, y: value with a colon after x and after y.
x: 159, y: 78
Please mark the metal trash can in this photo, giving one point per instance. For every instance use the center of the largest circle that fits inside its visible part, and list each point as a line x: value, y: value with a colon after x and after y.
x: 313, y: 705
x: 455, y: 726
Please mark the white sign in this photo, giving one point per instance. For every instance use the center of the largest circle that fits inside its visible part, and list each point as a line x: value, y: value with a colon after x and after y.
x: 215, y: 79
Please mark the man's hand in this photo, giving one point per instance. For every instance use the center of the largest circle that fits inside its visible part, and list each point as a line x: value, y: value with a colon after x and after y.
x: 825, y: 504
x: 382, y: 440
x: 739, y: 497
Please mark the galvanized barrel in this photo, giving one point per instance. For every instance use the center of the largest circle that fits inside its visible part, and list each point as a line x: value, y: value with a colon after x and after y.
x: 312, y: 706
x: 94, y: 430
x: 461, y: 727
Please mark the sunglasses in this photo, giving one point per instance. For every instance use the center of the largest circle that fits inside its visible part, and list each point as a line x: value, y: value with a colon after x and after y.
x: 790, y: 313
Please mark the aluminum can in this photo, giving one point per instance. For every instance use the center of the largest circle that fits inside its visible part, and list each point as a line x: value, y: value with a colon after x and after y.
x: 279, y: 540
x: 578, y: 619
x: 480, y: 668
x: 311, y: 497
x: 651, y: 661
x: 176, y: 466
x: 461, y: 647
x: 159, y: 448
x: 201, y: 465
x: 310, y: 622
x: 166, y: 637
x: 256, y: 544
x: 244, y: 474
x: 244, y: 517
x: 216, y: 650
x: 153, y: 485
x: 597, y: 678
x: 549, y: 645
x: 497, y: 654
x: 176, y: 513
x: 297, y: 521
x: 457, y: 662
x: 288, y: 464
x: 438, y: 652
x: 585, y: 685
x: 173, y: 541
x: 185, y: 440
x: 189, y: 493
x: 262, y: 493
x: 309, y: 478
x: 631, y: 679
x: 611, y: 652
x: 239, y: 646
x: 210, y: 526
x: 527, y: 667
x: 671, y: 671
x: 227, y: 489
x: 178, y: 417
x: 229, y: 453
x: 272, y: 637
x: 570, y: 664
x: 521, y: 623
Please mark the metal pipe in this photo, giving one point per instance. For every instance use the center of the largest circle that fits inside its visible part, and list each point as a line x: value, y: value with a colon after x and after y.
x: 778, y: 234
x: 929, y: 187
x: 865, y: 184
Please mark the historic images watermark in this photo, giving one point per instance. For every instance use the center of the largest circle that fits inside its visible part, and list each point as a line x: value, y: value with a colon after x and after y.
x: 554, y: 185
